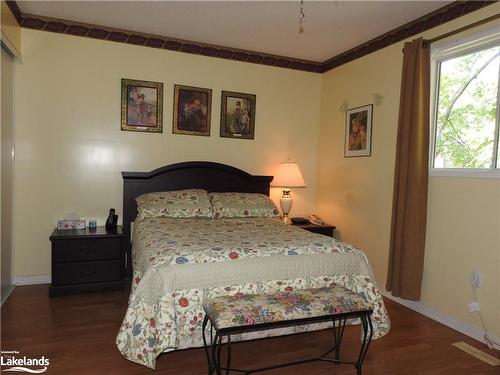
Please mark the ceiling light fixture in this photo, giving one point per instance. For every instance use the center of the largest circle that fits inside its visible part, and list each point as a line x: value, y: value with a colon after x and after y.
x: 301, y: 17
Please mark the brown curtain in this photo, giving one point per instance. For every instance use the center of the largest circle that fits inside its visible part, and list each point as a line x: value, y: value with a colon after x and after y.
x: 409, y: 206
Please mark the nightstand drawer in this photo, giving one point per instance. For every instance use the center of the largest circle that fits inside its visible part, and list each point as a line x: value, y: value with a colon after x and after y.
x: 85, y: 249
x: 85, y: 272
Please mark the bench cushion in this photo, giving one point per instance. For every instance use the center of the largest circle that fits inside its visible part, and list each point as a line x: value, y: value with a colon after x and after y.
x: 250, y: 309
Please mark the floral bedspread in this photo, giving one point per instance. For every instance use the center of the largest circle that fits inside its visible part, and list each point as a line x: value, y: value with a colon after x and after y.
x: 179, y: 262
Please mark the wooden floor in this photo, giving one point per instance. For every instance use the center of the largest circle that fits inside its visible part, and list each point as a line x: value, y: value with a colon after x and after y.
x: 77, y: 333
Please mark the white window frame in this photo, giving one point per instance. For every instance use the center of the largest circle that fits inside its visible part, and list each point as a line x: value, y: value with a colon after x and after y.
x: 442, y: 51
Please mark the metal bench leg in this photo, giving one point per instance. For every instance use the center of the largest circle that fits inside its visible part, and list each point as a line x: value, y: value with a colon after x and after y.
x: 214, y: 359
x: 338, y: 333
x: 366, y: 322
x: 214, y: 364
x: 335, y: 340
x: 218, y: 348
x: 209, y: 357
x: 228, y: 365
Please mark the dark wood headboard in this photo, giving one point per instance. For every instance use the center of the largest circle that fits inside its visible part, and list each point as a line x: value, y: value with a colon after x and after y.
x: 213, y: 177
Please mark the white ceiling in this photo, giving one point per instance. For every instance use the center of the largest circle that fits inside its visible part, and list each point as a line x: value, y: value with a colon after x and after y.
x: 331, y: 27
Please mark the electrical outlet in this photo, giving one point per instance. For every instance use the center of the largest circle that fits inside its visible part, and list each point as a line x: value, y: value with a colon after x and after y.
x: 473, y: 307
x: 476, y: 279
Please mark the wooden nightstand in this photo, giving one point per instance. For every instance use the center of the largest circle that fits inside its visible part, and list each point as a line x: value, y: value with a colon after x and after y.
x: 323, y: 229
x: 87, y: 260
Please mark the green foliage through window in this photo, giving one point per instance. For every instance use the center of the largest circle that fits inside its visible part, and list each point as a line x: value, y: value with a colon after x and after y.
x: 466, y: 133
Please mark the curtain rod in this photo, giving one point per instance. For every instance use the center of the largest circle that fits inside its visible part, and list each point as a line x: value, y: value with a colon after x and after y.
x: 472, y: 25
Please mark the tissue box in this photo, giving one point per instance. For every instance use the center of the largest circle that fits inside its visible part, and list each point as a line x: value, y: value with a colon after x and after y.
x: 71, y: 224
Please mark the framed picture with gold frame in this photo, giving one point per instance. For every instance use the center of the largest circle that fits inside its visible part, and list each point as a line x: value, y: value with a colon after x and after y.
x: 141, y: 106
x: 192, y: 109
x: 237, y: 117
x: 358, y: 131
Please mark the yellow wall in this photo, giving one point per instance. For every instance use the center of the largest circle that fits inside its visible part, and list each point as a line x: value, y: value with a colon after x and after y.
x: 356, y: 193
x: 11, y: 31
x: 70, y: 149
x: 463, y: 235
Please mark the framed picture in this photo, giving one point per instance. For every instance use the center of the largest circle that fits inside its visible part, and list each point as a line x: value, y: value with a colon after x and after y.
x: 237, y: 118
x: 142, y: 106
x: 358, y: 131
x: 192, y: 108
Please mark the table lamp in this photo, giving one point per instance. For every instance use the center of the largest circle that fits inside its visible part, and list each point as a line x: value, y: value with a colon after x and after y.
x: 287, y: 176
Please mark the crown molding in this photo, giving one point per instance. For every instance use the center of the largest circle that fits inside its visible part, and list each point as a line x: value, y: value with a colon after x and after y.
x: 438, y: 17
x: 62, y: 26
x: 14, y: 8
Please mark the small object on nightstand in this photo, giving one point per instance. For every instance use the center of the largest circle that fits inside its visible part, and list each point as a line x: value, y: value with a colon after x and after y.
x: 85, y: 260
x: 92, y: 225
x: 324, y: 229
x: 71, y: 221
x: 112, y: 221
x: 313, y: 219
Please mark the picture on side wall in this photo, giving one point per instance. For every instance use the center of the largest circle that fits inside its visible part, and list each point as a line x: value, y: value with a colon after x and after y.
x: 192, y: 108
x: 358, y: 131
x: 142, y: 106
x: 237, y: 115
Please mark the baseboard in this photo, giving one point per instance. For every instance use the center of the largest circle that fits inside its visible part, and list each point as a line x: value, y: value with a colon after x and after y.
x: 7, y: 294
x: 31, y: 280
x: 438, y: 316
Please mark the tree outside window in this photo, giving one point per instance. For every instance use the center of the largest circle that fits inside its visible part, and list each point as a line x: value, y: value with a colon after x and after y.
x: 466, y: 124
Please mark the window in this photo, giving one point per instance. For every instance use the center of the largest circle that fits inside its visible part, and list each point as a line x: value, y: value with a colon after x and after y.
x: 465, y: 111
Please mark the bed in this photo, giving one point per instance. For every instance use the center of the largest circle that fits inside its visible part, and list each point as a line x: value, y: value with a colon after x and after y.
x: 176, y: 262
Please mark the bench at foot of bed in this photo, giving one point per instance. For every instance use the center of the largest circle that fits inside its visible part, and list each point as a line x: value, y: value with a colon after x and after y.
x: 257, y: 312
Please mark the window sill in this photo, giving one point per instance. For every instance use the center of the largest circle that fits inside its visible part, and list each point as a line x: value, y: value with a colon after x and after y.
x: 465, y: 173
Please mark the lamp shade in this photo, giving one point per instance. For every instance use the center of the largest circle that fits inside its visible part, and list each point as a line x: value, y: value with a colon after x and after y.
x: 288, y: 175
